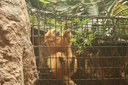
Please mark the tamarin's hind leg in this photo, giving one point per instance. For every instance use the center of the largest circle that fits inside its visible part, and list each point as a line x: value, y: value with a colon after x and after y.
x: 69, y: 81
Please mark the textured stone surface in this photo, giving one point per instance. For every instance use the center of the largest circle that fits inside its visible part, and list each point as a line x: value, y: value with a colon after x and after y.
x: 17, y: 60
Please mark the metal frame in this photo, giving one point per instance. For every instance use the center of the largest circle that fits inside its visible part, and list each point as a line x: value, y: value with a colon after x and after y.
x: 104, y: 62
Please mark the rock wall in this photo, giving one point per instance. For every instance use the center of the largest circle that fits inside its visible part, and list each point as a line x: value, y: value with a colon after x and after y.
x: 17, y: 60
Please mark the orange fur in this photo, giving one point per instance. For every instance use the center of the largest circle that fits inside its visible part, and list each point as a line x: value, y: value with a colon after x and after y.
x: 60, y: 47
x: 55, y: 65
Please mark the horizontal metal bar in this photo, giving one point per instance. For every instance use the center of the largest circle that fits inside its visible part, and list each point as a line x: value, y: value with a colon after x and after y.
x: 94, y: 57
x: 85, y: 79
x: 80, y: 68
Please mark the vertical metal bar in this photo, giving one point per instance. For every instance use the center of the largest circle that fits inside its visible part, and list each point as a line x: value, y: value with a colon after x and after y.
x: 107, y: 22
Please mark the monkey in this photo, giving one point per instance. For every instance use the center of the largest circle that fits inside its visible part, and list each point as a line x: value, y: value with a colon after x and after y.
x: 50, y: 37
x: 61, y: 61
x: 52, y: 41
x: 58, y: 43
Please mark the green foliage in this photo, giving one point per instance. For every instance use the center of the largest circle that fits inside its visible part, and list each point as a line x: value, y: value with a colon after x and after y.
x: 33, y: 19
x: 82, y: 7
x: 72, y: 2
x: 80, y: 22
x: 53, y: 23
x: 82, y: 39
x: 117, y: 8
x: 44, y: 1
x: 121, y: 10
x: 60, y: 7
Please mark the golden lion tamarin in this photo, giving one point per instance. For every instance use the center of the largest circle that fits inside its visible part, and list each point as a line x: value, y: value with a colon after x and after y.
x: 61, y: 61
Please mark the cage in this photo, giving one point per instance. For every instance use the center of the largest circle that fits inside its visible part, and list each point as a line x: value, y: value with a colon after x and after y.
x: 99, y: 43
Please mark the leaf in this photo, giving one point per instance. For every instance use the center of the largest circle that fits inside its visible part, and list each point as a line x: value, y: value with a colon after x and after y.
x: 44, y: 1
x: 85, y: 21
x: 90, y: 36
x: 77, y: 20
x: 74, y: 40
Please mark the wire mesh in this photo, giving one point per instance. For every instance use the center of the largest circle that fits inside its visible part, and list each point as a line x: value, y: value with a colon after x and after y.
x: 100, y: 45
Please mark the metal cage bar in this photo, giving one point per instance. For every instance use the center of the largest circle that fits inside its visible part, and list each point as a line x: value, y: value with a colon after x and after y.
x: 104, y: 60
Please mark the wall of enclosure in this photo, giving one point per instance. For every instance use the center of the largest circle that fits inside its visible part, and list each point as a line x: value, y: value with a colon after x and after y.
x: 99, y: 43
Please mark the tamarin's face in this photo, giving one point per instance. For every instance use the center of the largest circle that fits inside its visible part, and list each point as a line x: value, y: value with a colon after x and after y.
x: 68, y: 33
x: 51, y: 37
x: 67, y: 37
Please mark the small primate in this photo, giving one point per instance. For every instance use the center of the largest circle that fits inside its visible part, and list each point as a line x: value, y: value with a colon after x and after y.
x: 50, y: 37
x: 52, y: 40
x: 61, y: 61
x: 67, y: 37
